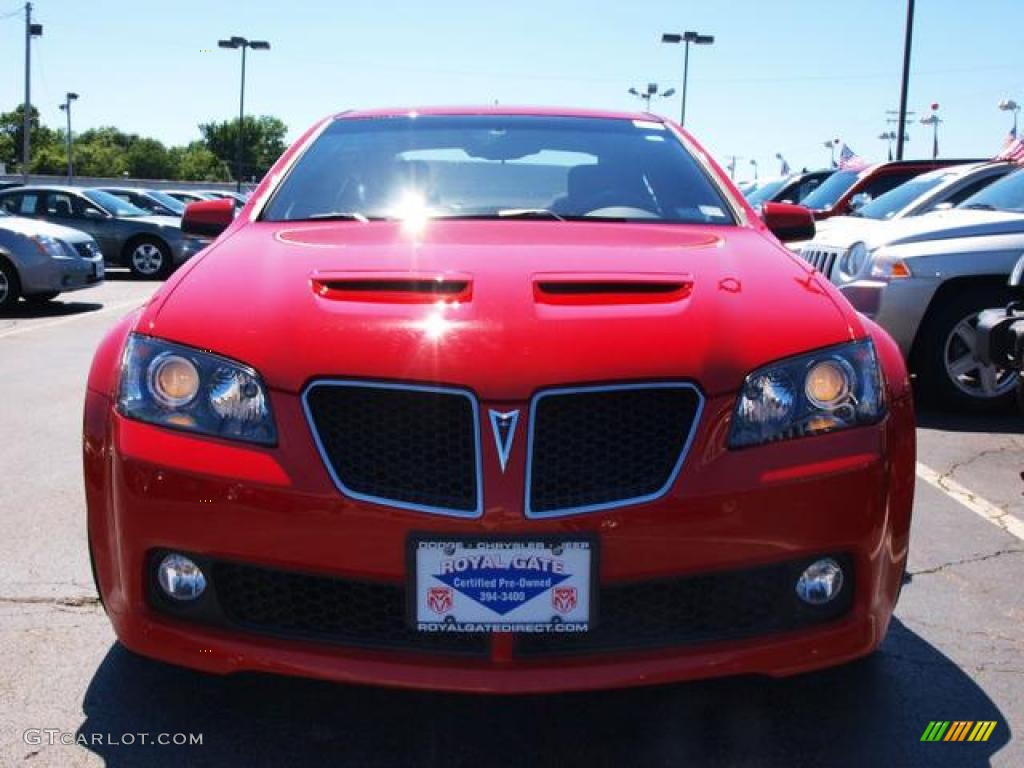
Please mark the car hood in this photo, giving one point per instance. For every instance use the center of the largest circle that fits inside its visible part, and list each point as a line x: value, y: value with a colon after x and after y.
x: 944, y: 225
x: 844, y: 231
x: 299, y: 301
x: 163, y: 222
x: 30, y: 227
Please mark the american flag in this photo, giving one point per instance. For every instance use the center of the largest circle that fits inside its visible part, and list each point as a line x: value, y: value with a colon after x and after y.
x: 850, y: 159
x: 1013, y: 149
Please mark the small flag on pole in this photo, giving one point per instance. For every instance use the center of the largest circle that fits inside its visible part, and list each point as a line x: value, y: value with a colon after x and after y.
x: 848, y: 159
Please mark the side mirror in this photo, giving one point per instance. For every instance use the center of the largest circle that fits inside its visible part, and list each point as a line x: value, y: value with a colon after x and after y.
x: 788, y: 222
x: 946, y: 206
x: 93, y: 213
x: 859, y: 200
x: 207, y: 218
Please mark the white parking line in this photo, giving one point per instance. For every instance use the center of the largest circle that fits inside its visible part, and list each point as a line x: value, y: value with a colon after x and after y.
x: 17, y: 330
x: 978, y: 505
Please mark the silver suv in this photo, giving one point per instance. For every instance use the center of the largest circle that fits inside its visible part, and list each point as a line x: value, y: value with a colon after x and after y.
x: 926, y: 278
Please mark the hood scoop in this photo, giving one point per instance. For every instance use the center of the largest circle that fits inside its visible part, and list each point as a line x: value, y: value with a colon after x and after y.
x: 610, y: 288
x: 393, y: 287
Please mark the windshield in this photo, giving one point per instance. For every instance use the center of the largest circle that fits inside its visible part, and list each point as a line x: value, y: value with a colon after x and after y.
x: 167, y: 201
x: 1007, y: 194
x: 498, y: 166
x: 113, y: 205
x: 767, y: 191
x: 833, y: 188
x: 892, y: 202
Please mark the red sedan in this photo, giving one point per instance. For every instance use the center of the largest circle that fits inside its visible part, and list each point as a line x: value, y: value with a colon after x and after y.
x: 498, y: 400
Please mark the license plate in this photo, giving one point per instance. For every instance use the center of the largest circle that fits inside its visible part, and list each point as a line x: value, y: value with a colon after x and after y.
x: 503, y: 585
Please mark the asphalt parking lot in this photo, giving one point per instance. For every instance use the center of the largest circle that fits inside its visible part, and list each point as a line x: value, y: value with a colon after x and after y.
x: 954, y: 652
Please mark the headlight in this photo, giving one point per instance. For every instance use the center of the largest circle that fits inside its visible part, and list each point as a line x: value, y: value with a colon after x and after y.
x: 823, y: 391
x: 50, y: 246
x: 183, y: 388
x: 852, y: 262
x: 889, y: 268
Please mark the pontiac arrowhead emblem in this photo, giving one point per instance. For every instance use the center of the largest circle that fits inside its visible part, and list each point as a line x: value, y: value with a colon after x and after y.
x: 503, y: 425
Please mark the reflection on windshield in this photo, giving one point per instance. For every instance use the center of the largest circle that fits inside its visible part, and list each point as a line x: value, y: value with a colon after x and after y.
x: 1007, y: 194
x: 886, y: 206
x: 498, y: 167
x: 113, y: 205
x: 766, y: 192
x: 833, y: 188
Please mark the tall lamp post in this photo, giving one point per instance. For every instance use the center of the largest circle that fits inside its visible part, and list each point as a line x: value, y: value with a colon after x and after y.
x: 66, y: 109
x: 31, y: 30
x: 753, y: 162
x: 933, y: 120
x: 650, y: 93
x: 1009, y: 105
x: 256, y: 45
x: 686, y: 38
x: 832, y: 144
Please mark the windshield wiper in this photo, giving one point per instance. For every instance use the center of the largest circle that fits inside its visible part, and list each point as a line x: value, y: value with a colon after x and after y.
x: 529, y: 213
x: 336, y: 216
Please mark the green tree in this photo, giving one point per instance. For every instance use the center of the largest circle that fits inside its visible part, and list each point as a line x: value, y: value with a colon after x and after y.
x: 102, y: 152
x: 149, y: 159
x: 197, y: 163
x: 263, y: 143
x: 12, y: 127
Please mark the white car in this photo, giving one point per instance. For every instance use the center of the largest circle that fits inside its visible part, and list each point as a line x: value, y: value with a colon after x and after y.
x: 925, y: 279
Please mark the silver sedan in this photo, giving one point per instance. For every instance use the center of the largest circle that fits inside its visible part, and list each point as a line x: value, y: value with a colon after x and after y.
x: 38, y: 260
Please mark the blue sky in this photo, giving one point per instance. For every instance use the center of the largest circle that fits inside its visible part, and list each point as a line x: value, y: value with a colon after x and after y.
x: 781, y: 77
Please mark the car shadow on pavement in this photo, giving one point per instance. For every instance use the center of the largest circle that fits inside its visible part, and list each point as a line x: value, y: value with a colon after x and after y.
x: 1007, y: 421
x: 871, y: 712
x: 24, y: 310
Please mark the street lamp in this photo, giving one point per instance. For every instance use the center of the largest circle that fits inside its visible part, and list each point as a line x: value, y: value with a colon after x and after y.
x: 832, y: 144
x: 256, y: 45
x: 66, y: 108
x: 753, y: 162
x: 650, y: 93
x: 1009, y: 105
x: 933, y: 120
x: 686, y: 38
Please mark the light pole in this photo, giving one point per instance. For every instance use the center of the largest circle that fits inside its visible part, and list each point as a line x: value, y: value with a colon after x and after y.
x: 66, y: 108
x: 256, y: 45
x: 753, y: 162
x: 31, y: 30
x: 686, y: 38
x: 1009, y: 105
x: 650, y: 93
x: 933, y: 120
x: 905, y: 81
x: 832, y: 144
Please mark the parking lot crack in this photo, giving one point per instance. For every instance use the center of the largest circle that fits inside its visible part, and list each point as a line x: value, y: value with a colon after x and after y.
x: 966, y: 561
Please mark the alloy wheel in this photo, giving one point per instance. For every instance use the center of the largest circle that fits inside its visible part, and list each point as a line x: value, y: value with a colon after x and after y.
x: 966, y: 371
x: 147, y: 259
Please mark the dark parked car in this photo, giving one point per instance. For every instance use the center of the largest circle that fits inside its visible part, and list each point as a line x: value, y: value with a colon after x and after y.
x: 151, y: 200
x: 187, y: 196
x: 788, y: 189
x: 151, y: 246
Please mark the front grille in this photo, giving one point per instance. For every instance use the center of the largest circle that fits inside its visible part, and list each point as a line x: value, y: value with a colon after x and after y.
x: 822, y: 258
x: 85, y: 250
x: 697, y: 609
x: 361, y: 614
x: 405, y: 446
x: 601, y: 447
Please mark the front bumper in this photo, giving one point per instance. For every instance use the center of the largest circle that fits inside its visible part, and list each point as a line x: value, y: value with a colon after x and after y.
x: 898, y: 306
x: 150, y: 490
x: 61, y: 275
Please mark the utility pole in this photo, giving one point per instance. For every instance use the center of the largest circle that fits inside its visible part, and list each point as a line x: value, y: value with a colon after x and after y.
x: 31, y: 30
x: 904, y: 86
x: 66, y: 107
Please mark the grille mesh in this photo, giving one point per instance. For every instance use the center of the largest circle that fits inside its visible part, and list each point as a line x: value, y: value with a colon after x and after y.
x: 362, y: 614
x: 607, y: 446
x: 821, y: 258
x: 404, y: 446
x: 697, y: 609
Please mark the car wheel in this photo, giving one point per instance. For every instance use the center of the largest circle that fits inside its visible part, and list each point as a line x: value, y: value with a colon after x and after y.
x: 10, y: 286
x: 41, y: 298
x: 948, y: 369
x: 149, y: 259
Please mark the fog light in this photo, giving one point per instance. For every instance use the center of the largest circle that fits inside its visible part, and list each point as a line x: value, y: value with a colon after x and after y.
x: 180, y: 578
x: 821, y: 582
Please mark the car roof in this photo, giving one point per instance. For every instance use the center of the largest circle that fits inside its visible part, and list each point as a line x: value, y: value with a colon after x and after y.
x: 498, y: 110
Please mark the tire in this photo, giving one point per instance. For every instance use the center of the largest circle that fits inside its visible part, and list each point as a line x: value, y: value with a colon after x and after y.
x: 948, y: 372
x: 41, y: 298
x: 10, y: 286
x: 148, y: 258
